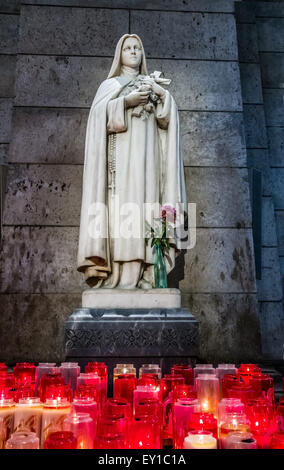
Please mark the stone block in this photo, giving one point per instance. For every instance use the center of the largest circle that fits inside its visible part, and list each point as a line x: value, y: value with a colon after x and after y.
x: 73, y: 82
x: 8, y: 34
x: 259, y: 159
x: 46, y: 135
x: 270, y: 34
x: 6, y: 106
x: 228, y: 326
x: 274, y: 107
x: 74, y: 31
x: 255, y: 124
x: 247, y: 42
x: 221, y: 196
x: 280, y: 231
x: 40, y: 259
x: 272, y: 69
x: 272, y: 329
x: 276, y: 145
x: 277, y: 175
x: 269, y: 287
x: 131, y: 299
x: 7, y: 74
x: 43, y: 195
x: 193, y: 35
x: 10, y: 6
x: 281, y: 259
x: 212, y: 139
x: 4, y: 148
x: 270, y: 9
x: 251, y: 83
x: 245, y: 12
x: 221, y: 261
x: 269, y: 237
x: 226, y: 6
x: 32, y: 326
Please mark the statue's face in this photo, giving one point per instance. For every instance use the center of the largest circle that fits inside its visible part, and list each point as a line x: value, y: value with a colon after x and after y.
x: 131, y: 54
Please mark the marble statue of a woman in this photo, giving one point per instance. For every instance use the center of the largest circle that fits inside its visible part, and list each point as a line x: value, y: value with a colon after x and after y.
x: 132, y: 158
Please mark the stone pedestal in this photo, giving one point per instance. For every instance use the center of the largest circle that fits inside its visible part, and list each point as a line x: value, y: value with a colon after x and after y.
x: 135, y: 335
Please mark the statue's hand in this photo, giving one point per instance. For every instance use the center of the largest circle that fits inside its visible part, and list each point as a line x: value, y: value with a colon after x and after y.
x: 136, y: 98
x: 160, y: 91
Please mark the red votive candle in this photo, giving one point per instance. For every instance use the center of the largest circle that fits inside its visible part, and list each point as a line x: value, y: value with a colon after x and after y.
x: 112, y: 433
x: 145, y: 432
x: 263, y: 386
x: 169, y: 382
x: 183, y: 410
x: 123, y: 387
x: 149, y: 379
x: 101, y: 369
x: 185, y: 370
x: 117, y: 407
x: 59, y: 391
x: 46, y: 381
x: 87, y: 392
x: 246, y: 371
x: 88, y: 405
x: 228, y: 381
x: 61, y: 440
x: 242, y: 391
x: 150, y: 407
x: 23, y: 392
x: 277, y: 440
x: 261, y: 417
x: 24, y: 373
x: 203, y: 422
x: 184, y: 391
x: 3, y: 366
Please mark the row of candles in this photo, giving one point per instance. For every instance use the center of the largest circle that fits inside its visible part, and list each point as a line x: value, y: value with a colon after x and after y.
x: 53, y: 407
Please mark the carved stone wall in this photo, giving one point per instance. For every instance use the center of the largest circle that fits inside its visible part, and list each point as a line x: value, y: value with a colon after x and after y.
x: 65, y: 49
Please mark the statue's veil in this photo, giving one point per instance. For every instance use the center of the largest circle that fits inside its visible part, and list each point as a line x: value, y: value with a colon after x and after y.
x: 115, y: 68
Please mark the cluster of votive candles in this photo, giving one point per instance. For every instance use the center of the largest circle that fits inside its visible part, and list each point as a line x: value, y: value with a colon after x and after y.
x: 51, y: 407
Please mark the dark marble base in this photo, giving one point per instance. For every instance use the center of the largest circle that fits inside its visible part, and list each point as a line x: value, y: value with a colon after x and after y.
x: 139, y: 336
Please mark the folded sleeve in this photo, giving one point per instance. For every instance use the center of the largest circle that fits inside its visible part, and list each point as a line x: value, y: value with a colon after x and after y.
x: 163, y: 111
x: 116, y: 116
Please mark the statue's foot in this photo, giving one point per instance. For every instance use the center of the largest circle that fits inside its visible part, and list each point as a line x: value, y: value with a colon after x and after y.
x: 142, y: 284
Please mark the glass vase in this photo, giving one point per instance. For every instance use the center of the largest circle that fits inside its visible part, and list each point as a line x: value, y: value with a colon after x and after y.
x: 160, y: 273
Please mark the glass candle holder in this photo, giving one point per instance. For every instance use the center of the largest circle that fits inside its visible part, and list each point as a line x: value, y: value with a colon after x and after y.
x: 101, y: 369
x: 228, y: 381
x: 203, y: 369
x: 23, y: 393
x: 168, y: 383
x: 200, y: 440
x: 58, y: 392
x: 225, y: 369
x: 242, y: 391
x: 229, y: 405
x: 82, y: 426
x: 124, y: 386
x: 150, y: 369
x: 145, y: 432
x: 121, y: 369
x: 208, y: 392
x: 70, y: 372
x: 150, y: 407
x: 183, y: 410
x: 263, y: 386
x: 149, y: 379
x: 280, y: 416
x: 48, y: 380
x: 240, y: 440
x: 185, y: 370
x: 7, y: 383
x: 233, y: 422
x: 61, y: 440
x: 246, y: 371
x: 44, y: 368
x: 277, y: 440
x: 88, y: 392
x: 53, y: 415
x: 112, y: 433
x: 117, y: 407
x: 260, y: 413
x: 3, y: 366
x: 203, y: 422
x: 144, y: 391
x: 86, y: 405
x: 184, y: 391
x: 7, y: 409
x: 24, y: 373
x: 23, y: 440
x: 93, y: 381
x: 27, y: 416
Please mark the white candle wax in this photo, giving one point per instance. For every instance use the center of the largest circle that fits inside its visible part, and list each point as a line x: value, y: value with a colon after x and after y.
x: 7, y: 408
x: 27, y: 418
x: 53, y: 415
x: 200, y: 440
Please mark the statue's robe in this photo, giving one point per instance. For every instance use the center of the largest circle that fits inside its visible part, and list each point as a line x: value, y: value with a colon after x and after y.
x: 148, y: 169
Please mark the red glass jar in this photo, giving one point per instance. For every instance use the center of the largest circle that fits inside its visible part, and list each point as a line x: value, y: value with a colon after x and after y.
x: 263, y: 386
x: 169, y: 382
x: 55, y: 392
x: 246, y: 371
x: 204, y: 422
x: 228, y: 381
x: 112, y: 433
x: 117, y: 407
x: 262, y: 424
x: 184, y: 391
x: 46, y: 381
x: 145, y: 432
x: 150, y: 407
x: 24, y: 373
x: 123, y: 387
x: 101, y: 369
x: 280, y: 415
x: 61, y: 440
x: 23, y: 392
x: 242, y: 391
x: 277, y: 441
x: 3, y: 366
x: 149, y: 379
x: 186, y: 371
